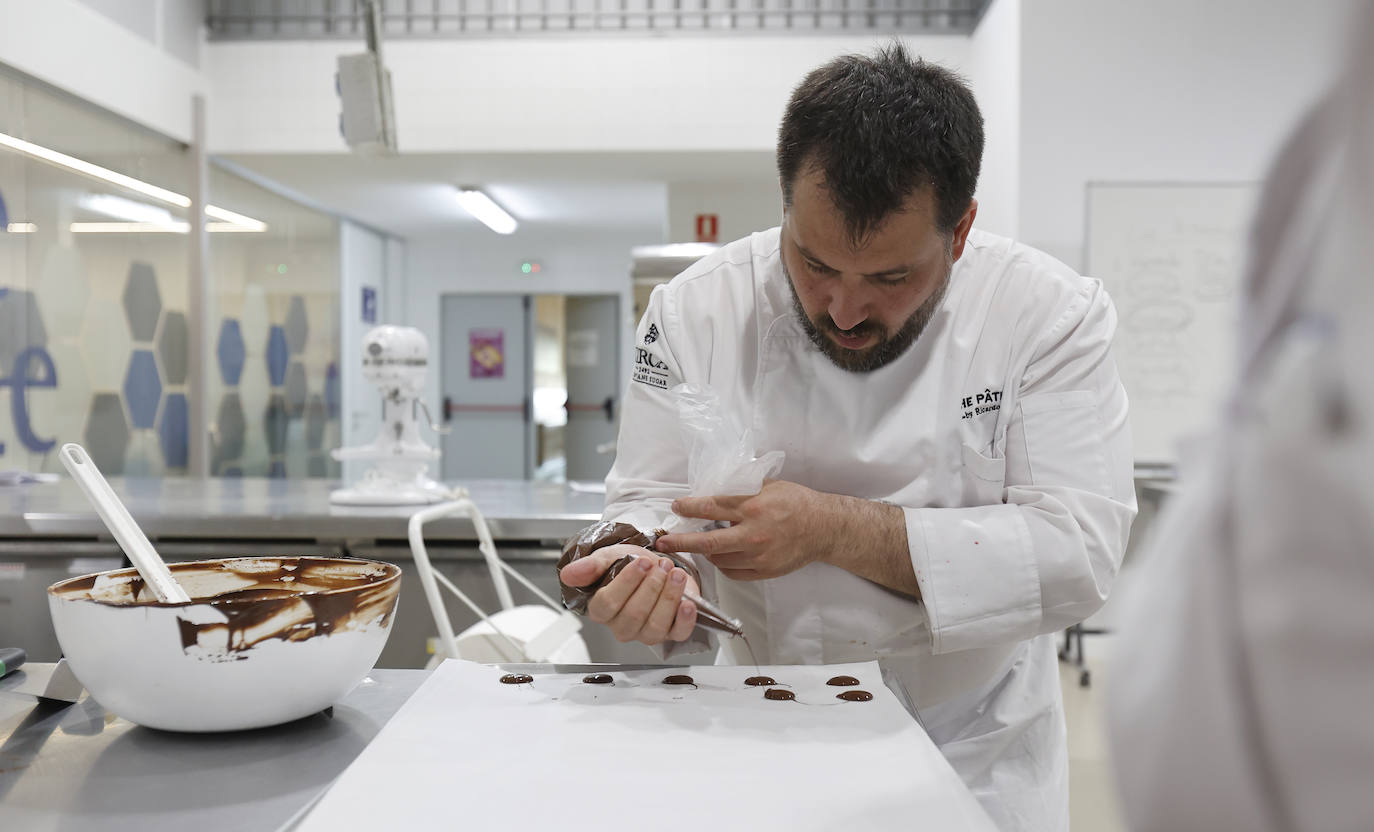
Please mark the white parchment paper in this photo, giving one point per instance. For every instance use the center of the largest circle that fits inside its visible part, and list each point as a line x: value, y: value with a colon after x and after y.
x: 468, y: 752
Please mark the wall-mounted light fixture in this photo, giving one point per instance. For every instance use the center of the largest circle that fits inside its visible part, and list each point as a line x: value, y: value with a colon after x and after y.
x: 484, y: 208
x: 85, y: 168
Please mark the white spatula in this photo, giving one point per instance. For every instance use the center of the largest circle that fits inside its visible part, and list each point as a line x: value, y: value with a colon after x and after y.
x: 121, y: 524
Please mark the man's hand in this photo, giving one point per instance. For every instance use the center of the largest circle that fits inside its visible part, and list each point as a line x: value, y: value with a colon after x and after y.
x: 787, y: 526
x: 644, y: 602
x: 776, y: 531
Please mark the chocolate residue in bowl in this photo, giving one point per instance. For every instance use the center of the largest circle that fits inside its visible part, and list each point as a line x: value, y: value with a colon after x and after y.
x: 260, y: 599
x: 598, y: 679
x: 843, y: 681
x: 516, y: 679
x: 760, y: 681
x: 779, y: 695
x: 855, y: 696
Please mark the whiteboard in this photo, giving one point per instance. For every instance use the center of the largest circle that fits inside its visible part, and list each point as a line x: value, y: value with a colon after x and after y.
x: 1171, y: 257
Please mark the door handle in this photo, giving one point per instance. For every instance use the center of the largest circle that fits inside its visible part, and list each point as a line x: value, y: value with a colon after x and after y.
x: 448, y: 409
x: 609, y: 407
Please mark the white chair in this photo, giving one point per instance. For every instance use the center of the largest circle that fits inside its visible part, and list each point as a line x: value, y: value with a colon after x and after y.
x: 526, y: 633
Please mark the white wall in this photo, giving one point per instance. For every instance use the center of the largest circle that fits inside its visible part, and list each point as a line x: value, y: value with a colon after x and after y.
x: 481, y: 262
x: 994, y: 72
x: 172, y: 25
x: 1171, y: 90
x: 75, y: 48
x: 742, y: 207
x: 531, y: 95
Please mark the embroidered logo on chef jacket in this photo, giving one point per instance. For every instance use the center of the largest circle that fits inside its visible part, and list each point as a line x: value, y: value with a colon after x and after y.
x: 650, y: 369
x: 980, y: 403
x: 652, y: 335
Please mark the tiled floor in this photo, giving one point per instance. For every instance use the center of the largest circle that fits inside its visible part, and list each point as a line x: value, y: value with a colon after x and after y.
x: 1092, y: 800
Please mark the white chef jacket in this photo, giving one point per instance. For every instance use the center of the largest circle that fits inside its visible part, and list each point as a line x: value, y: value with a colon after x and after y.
x: 1244, y: 670
x: 1002, y: 434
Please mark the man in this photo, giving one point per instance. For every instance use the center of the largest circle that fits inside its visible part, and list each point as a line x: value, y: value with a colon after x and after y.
x: 958, y: 475
x: 1246, y: 654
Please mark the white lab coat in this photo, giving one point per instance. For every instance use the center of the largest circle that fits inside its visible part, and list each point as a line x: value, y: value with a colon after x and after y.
x: 1239, y: 696
x: 1002, y: 433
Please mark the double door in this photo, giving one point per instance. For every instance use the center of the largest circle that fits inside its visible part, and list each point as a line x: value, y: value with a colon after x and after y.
x: 487, y: 374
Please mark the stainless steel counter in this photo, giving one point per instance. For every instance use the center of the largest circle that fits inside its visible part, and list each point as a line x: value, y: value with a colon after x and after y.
x: 276, y: 510
x: 80, y: 767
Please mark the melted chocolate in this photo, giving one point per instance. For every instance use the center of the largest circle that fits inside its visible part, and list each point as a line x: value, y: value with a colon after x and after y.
x: 843, y: 681
x: 854, y: 696
x: 516, y: 679
x: 680, y: 679
x: 598, y: 679
x: 760, y: 681
x: 779, y: 695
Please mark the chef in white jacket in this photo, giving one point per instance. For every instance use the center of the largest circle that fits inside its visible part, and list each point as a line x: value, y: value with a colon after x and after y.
x: 958, y: 476
x: 1245, y: 666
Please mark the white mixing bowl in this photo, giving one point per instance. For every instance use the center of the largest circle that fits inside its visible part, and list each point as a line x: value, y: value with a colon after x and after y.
x: 263, y: 641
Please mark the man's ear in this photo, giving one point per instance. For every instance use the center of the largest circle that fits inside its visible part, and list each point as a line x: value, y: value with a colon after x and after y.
x: 962, y: 229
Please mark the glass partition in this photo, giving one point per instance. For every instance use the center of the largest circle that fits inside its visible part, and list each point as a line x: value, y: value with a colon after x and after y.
x: 94, y: 278
x: 274, y: 396
x: 93, y: 287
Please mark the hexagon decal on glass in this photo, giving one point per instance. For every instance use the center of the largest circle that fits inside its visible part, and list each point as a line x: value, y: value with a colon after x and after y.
x: 317, y: 467
x: 331, y: 389
x: 107, y: 433
x: 316, y: 417
x: 143, y: 458
x: 229, y: 351
x: 142, y: 389
x: 62, y: 289
x: 277, y: 471
x: 254, y: 318
x: 21, y: 327
x: 174, y: 431
x: 229, y: 428
x: 172, y: 344
x: 274, y: 424
x: 296, y: 390
x: 142, y: 301
x: 277, y: 356
x: 105, y: 342
x: 297, y: 327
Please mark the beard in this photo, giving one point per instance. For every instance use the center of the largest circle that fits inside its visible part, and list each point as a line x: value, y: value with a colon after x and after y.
x: 890, y: 345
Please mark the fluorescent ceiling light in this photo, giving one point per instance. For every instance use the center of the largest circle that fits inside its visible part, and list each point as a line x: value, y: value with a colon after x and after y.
x: 481, y: 206
x: 125, y: 209
x: 21, y: 228
x: 137, y: 185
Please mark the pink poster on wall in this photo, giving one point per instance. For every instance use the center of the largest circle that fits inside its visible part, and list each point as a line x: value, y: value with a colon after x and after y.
x: 486, y: 353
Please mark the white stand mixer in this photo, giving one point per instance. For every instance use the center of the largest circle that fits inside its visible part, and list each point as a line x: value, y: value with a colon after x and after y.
x: 396, y: 359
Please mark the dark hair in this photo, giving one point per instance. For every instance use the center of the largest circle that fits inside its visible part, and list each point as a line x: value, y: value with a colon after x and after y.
x: 878, y: 128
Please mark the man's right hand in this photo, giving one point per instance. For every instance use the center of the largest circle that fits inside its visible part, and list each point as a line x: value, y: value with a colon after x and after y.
x: 644, y: 602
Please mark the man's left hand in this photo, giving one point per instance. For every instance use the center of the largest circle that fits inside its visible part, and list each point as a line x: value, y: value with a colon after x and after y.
x: 776, y: 531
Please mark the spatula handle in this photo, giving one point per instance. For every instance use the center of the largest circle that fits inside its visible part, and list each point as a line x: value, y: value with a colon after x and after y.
x: 121, y: 524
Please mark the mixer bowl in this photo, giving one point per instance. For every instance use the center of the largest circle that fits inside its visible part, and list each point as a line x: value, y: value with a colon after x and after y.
x: 264, y: 640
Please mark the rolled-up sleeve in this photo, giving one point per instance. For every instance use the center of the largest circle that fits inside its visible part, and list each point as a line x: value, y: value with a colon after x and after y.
x: 1046, y: 556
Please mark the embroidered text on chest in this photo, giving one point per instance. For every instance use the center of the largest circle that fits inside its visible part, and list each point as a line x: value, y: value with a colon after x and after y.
x: 980, y: 403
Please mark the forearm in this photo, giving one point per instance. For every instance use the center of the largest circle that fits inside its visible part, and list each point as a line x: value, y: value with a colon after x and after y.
x: 868, y: 539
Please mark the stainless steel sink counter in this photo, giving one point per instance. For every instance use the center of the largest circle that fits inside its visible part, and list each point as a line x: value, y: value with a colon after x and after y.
x: 276, y: 509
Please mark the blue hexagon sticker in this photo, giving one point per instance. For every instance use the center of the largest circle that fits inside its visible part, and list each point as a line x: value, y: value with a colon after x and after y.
x: 230, y: 351
x: 278, y: 354
x: 142, y: 389
x: 174, y: 432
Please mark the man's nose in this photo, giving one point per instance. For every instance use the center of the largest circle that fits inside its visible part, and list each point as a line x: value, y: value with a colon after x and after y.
x: 847, y: 310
